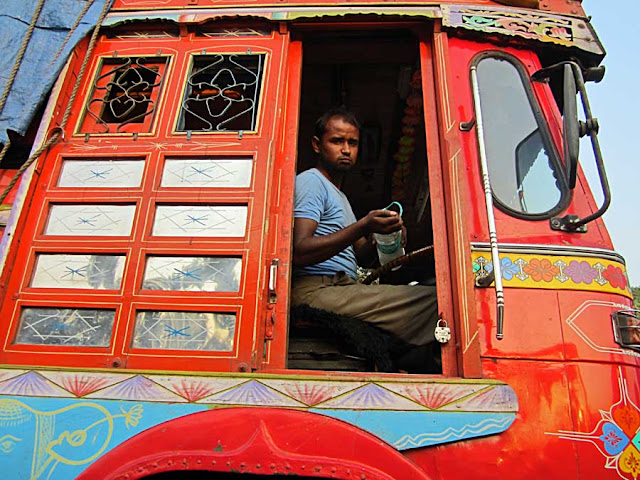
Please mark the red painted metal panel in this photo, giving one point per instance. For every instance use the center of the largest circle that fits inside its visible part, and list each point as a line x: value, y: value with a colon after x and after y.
x: 532, y: 329
x: 457, y: 209
x: 511, y: 229
x: 572, y: 7
x: 281, y: 218
x: 525, y: 451
x: 605, y: 420
x: 439, y: 206
x: 256, y: 440
x: 588, y: 330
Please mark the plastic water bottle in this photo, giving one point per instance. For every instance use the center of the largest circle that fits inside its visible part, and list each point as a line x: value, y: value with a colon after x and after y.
x: 389, y: 245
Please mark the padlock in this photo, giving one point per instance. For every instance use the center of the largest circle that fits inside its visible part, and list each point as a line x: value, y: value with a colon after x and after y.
x: 442, y: 332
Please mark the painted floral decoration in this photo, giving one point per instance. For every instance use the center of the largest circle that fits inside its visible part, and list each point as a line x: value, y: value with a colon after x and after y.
x: 509, y: 269
x: 541, y: 270
x: 577, y: 273
x: 581, y: 272
x: 616, y: 436
x: 615, y: 276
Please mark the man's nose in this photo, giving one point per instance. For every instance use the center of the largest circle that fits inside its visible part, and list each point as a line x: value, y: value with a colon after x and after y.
x: 346, y: 148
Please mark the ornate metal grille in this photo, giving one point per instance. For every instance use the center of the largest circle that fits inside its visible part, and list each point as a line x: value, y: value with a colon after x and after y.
x: 223, y: 93
x: 124, y: 93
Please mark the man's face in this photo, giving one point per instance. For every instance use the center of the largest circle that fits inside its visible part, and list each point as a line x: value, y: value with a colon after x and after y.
x: 338, y: 147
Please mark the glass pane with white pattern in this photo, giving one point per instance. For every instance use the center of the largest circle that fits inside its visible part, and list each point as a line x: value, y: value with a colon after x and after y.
x: 90, y: 220
x: 184, y: 331
x: 80, y: 327
x: 101, y: 173
x: 99, y: 272
x: 200, y: 221
x: 194, y: 274
x: 220, y: 173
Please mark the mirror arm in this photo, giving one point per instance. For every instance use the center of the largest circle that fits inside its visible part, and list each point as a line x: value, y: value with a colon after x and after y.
x: 571, y: 223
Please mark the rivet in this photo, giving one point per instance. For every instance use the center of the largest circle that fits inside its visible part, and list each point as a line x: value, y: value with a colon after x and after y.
x: 257, y: 465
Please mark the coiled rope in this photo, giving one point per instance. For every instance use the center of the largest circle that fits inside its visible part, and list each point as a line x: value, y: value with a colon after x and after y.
x: 57, y: 134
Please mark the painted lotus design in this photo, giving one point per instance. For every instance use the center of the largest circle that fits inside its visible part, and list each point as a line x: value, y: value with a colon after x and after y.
x: 616, y: 436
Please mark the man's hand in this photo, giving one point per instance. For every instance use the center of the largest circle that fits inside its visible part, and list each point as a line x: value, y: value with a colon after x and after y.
x: 382, y: 221
x: 309, y: 249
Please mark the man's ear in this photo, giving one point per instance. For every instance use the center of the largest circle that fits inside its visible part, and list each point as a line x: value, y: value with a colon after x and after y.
x: 315, y: 143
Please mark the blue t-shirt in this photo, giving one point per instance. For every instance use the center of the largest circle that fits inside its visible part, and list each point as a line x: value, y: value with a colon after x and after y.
x: 316, y: 198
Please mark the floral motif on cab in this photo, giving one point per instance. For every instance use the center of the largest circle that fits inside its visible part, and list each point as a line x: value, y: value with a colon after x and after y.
x: 509, y: 269
x: 615, y: 276
x: 581, y: 272
x: 630, y: 461
x: 616, y: 435
x: 541, y: 270
x: 562, y: 272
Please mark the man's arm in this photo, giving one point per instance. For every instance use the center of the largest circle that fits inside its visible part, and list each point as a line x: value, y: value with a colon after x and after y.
x: 309, y: 250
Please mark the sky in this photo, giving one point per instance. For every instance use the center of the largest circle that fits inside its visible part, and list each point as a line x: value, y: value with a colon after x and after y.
x: 616, y: 103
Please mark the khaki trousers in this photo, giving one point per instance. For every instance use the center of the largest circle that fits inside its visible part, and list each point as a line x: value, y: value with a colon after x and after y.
x: 410, y: 312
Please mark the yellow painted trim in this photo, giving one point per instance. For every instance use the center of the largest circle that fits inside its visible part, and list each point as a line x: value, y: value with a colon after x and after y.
x: 557, y: 272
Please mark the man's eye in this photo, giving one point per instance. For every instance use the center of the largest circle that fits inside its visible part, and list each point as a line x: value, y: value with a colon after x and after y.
x: 353, y: 143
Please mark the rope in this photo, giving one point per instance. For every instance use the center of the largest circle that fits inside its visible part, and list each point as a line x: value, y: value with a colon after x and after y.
x: 5, y: 149
x: 92, y: 44
x: 16, y: 67
x: 56, y: 136
x: 27, y: 164
x: 23, y: 48
x: 73, y: 29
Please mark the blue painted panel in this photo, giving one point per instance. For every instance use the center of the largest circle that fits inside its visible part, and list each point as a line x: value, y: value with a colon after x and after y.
x: 405, y: 430
x: 56, y: 439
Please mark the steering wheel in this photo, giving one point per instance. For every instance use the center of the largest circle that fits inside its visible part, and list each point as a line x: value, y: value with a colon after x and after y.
x: 403, y: 260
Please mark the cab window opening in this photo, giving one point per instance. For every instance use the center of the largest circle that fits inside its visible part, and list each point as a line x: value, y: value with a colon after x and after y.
x: 375, y: 75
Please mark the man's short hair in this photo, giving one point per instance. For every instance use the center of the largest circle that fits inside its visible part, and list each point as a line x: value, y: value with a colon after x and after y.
x: 340, y: 112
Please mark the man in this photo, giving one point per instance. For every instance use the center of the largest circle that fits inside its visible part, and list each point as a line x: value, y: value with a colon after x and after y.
x: 328, y: 241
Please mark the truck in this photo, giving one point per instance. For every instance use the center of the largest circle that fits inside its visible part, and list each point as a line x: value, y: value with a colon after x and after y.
x: 146, y: 256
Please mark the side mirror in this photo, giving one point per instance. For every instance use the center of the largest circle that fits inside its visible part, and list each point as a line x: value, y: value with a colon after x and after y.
x: 570, y: 126
x: 574, y: 79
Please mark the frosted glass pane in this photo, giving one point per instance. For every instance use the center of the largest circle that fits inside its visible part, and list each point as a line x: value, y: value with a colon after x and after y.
x: 90, y: 220
x: 200, y: 221
x: 101, y: 173
x: 66, y: 326
x: 234, y: 173
x: 199, y: 274
x: 184, y: 331
x: 78, y: 271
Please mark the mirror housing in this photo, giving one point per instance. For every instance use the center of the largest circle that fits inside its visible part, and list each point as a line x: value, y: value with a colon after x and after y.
x: 574, y: 82
x: 570, y: 126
